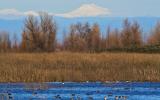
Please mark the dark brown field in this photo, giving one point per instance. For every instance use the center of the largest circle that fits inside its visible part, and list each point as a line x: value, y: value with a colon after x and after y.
x: 65, y: 66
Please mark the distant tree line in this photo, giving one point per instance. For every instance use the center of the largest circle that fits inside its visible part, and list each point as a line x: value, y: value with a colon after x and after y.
x: 39, y: 35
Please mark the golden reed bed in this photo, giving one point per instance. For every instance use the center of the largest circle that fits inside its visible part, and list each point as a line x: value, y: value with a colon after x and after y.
x: 65, y: 66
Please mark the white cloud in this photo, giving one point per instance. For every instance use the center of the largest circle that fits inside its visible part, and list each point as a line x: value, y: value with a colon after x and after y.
x: 14, y: 14
x: 10, y: 12
x: 86, y: 10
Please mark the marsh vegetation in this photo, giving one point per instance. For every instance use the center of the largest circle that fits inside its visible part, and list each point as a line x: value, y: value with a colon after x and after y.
x: 66, y: 66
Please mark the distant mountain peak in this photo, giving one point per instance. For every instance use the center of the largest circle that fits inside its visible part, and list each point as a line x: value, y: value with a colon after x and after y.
x: 87, y: 10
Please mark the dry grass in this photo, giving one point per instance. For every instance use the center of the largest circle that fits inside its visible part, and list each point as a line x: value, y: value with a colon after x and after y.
x: 49, y: 67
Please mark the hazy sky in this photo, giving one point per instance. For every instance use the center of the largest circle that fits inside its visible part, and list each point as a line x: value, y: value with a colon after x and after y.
x: 116, y: 7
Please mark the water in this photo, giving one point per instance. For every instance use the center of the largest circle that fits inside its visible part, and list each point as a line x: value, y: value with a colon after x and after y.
x: 80, y: 91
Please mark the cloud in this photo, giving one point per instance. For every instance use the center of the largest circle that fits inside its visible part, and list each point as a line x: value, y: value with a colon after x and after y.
x: 86, y: 10
x: 13, y: 13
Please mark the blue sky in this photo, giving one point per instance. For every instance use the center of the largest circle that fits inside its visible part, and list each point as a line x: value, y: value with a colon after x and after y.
x: 17, y: 9
x: 116, y: 7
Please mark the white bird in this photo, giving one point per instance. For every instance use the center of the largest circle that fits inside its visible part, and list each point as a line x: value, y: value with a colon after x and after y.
x: 105, y: 98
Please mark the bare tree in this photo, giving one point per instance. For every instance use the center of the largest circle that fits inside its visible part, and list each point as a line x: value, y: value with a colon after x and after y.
x: 39, y: 36
x: 154, y: 39
x: 25, y: 42
x: 48, y: 32
x: 32, y: 30
x: 136, y: 35
x: 95, y: 38
x: 126, y: 34
x: 15, y: 46
x: 5, y: 43
x: 114, y: 39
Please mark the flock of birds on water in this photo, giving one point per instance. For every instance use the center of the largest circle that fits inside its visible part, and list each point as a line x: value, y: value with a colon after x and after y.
x: 91, y: 98
x: 8, y: 96
x: 110, y: 96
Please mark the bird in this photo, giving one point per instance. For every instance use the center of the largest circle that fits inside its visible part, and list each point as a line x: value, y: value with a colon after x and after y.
x: 105, y: 98
x: 116, y: 98
x: 78, y: 98
x: 90, y: 98
x: 57, y: 97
